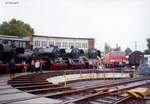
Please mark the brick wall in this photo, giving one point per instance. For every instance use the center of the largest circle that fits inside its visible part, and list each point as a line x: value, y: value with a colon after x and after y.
x: 91, y: 43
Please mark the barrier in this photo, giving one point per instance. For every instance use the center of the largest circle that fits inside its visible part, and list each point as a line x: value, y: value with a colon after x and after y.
x: 81, y: 75
x: 65, y: 78
x: 71, y: 77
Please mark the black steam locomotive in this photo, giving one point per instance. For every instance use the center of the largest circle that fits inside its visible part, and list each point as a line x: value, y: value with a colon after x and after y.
x: 94, y: 56
x: 51, y: 56
x: 11, y: 47
x: 73, y: 59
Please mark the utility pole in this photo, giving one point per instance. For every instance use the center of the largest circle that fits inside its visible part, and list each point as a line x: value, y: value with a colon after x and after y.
x: 135, y: 45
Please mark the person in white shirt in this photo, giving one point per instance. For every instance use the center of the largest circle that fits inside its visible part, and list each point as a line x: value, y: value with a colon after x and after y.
x: 24, y: 66
x: 37, y: 65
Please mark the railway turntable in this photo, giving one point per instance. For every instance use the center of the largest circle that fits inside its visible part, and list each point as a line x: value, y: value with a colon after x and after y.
x: 71, y: 87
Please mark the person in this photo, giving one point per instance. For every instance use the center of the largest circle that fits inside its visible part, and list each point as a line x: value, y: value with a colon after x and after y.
x: 24, y: 66
x: 41, y: 65
x: 12, y: 68
x: 37, y: 65
x: 1, y: 62
x: 32, y: 66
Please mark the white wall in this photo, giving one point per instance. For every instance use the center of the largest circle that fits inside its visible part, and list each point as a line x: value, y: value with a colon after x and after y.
x: 62, y: 41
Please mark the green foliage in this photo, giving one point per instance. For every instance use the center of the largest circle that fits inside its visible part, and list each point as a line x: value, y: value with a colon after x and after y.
x: 86, y: 54
x: 128, y: 51
x: 16, y: 28
x: 148, y: 45
x: 118, y: 48
x: 147, y: 52
x: 107, y: 48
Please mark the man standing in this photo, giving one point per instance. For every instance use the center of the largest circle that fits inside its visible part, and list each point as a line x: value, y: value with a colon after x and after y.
x: 24, y: 66
x: 12, y: 68
x: 37, y: 65
x: 32, y: 65
x: 41, y: 65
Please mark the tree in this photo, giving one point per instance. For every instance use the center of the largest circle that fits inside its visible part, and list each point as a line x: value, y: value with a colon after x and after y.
x: 128, y: 51
x: 147, y: 52
x: 148, y: 45
x: 118, y: 48
x: 16, y: 28
x: 107, y: 48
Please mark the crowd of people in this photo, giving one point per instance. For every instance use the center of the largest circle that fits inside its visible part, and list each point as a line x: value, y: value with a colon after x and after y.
x: 36, y: 65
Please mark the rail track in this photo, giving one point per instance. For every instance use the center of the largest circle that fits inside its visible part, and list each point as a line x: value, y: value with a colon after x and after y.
x: 103, y: 93
x: 106, y: 93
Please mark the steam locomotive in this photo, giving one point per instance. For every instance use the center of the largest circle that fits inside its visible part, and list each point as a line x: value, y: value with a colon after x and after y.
x: 51, y: 57
x: 10, y: 47
x: 94, y: 57
x: 73, y: 59
x: 60, y: 58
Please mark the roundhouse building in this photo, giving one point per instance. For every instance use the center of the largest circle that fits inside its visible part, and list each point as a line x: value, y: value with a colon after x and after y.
x: 62, y: 42
x: 15, y: 41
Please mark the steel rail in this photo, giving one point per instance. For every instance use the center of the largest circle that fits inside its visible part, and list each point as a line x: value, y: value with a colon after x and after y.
x: 122, y: 99
x: 98, y: 94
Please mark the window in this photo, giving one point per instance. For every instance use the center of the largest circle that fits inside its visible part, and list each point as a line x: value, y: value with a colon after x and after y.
x: 20, y: 44
x: 16, y: 43
x: 58, y: 44
x: 44, y: 43
x: 118, y: 53
x: 64, y: 44
x: 51, y: 43
x: 86, y: 46
x: 78, y: 45
x: 1, y: 41
x: 71, y: 45
x: 24, y: 44
x: 83, y: 45
x: 9, y: 42
x: 37, y: 43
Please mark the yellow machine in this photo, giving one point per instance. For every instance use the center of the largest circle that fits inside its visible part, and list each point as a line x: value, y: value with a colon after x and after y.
x: 139, y: 92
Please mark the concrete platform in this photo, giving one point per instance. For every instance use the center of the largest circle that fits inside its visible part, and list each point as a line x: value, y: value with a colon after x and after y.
x: 16, y: 96
x: 3, y: 83
x: 8, y: 94
x: 9, y: 91
x: 5, y: 87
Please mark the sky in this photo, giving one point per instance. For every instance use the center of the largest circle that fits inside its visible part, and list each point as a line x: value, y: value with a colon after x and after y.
x: 122, y: 22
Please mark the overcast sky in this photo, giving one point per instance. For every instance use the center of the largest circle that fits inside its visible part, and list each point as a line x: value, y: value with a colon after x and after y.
x: 108, y: 21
